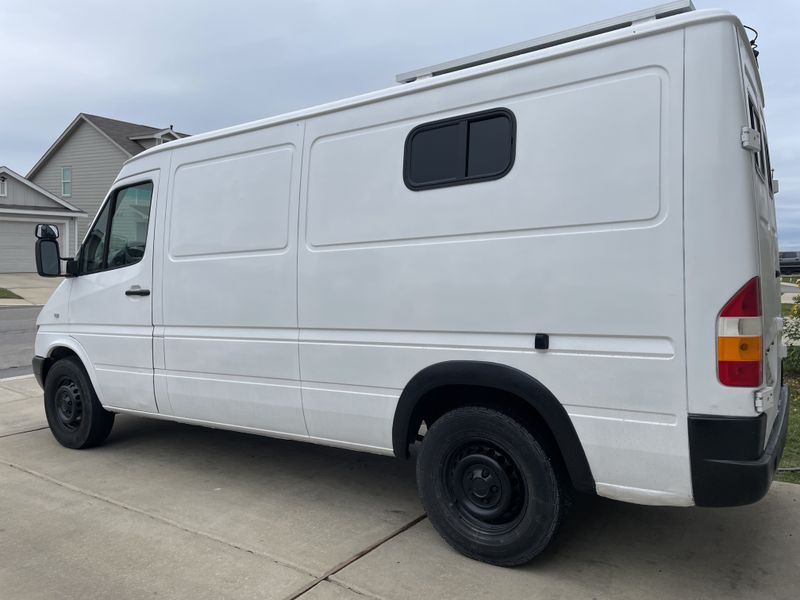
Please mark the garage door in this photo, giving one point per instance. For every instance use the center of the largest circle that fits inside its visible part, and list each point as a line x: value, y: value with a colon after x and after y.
x: 16, y: 247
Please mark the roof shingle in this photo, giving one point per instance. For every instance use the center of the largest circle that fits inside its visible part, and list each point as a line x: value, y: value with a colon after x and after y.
x: 121, y: 132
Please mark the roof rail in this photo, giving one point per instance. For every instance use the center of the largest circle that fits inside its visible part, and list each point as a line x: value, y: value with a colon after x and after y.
x: 547, y: 41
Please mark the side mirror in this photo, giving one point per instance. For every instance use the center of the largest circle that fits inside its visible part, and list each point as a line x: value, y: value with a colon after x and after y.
x: 48, y: 257
x: 775, y: 187
x: 72, y: 267
x: 46, y: 232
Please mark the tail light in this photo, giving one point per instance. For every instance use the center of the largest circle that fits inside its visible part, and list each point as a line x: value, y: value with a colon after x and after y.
x: 739, y: 341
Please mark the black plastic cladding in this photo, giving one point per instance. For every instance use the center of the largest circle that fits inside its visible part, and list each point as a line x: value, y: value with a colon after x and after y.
x: 499, y: 377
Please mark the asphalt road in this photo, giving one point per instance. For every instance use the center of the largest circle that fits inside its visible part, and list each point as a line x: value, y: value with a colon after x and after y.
x: 17, y: 332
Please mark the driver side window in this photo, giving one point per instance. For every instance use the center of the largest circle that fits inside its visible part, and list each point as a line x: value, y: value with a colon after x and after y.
x: 119, y: 235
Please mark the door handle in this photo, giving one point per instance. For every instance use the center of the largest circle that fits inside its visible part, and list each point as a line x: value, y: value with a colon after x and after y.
x: 137, y: 292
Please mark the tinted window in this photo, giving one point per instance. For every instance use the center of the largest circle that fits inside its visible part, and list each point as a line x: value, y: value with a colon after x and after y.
x: 465, y: 149
x: 93, y: 249
x: 755, y: 123
x: 489, y: 146
x: 437, y: 155
x: 129, y: 225
x: 121, y: 242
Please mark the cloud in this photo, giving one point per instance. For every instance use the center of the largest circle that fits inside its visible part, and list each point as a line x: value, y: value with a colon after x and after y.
x: 201, y: 66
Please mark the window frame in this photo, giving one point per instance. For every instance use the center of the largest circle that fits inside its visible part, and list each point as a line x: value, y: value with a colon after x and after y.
x: 111, y: 201
x: 464, y: 119
x: 755, y: 123
x: 763, y: 163
x: 63, y: 181
x: 765, y: 149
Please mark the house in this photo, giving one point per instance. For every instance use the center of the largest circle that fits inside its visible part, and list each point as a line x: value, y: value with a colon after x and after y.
x: 23, y: 204
x: 83, y: 162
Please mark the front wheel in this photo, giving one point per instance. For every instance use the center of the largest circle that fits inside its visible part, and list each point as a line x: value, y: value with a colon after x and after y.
x: 74, y: 413
x: 488, y: 486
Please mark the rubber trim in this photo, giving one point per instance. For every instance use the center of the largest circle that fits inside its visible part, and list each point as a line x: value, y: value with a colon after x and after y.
x: 500, y: 377
x: 38, y: 369
x: 465, y: 179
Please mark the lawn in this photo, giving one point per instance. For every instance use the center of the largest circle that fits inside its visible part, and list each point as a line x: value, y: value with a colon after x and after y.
x: 791, y: 455
x: 7, y: 294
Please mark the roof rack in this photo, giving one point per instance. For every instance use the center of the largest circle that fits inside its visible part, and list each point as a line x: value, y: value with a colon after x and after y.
x: 547, y: 41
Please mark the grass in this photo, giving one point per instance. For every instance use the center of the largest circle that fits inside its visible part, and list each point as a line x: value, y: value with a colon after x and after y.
x: 8, y: 294
x: 791, y: 454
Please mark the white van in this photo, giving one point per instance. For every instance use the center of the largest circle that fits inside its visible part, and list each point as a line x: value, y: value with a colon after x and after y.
x: 549, y: 267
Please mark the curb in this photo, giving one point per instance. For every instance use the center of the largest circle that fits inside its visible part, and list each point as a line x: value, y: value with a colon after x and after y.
x: 16, y: 377
x: 2, y: 306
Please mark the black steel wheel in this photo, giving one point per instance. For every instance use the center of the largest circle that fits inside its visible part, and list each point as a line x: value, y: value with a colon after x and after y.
x: 74, y: 413
x: 485, y: 485
x: 489, y: 487
x: 68, y: 404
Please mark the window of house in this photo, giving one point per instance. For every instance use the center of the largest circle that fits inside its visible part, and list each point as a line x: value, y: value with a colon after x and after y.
x: 119, y: 234
x: 3, y: 187
x: 466, y: 149
x: 66, y: 181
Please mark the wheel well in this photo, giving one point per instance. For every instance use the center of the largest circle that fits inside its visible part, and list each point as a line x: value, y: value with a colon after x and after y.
x: 439, y: 401
x: 440, y: 387
x: 56, y: 354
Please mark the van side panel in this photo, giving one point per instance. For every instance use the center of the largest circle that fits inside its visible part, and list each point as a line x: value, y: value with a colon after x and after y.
x: 721, y: 235
x: 229, y: 329
x: 767, y: 227
x: 581, y: 240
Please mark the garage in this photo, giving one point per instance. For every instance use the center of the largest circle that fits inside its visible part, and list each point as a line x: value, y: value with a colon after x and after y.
x: 22, y: 205
x: 17, y: 240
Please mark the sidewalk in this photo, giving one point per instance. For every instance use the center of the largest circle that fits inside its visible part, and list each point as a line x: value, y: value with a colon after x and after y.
x: 189, y: 512
x: 32, y: 289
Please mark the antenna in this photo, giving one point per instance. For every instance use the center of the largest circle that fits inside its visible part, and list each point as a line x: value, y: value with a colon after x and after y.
x: 753, y: 44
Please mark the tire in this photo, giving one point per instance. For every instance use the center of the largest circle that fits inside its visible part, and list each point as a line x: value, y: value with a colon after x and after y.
x: 489, y: 487
x: 74, y: 414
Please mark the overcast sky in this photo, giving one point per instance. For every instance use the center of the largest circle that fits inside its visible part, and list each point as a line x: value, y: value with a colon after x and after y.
x: 202, y: 65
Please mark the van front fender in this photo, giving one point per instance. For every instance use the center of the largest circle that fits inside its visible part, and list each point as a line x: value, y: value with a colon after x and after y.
x: 48, y: 343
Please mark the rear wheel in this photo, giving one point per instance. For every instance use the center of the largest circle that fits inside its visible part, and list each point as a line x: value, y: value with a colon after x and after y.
x: 74, y: 413
x: 489, y: 487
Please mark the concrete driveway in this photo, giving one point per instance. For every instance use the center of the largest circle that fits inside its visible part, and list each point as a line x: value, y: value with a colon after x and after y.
x: 176, y: 511
x: 17, y: 336
x: 32, y: 289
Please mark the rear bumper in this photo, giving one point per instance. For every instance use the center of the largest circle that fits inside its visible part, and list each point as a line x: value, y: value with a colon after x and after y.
x: 728, y: 466
x: 38, y: 369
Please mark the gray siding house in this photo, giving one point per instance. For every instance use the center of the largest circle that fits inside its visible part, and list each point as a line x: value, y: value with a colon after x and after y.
x: 83, y: 162
x: 23, y: 204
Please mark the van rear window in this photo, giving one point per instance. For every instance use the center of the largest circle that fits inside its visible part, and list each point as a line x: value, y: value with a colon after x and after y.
x: 755, y: 123
x: 465, y: 149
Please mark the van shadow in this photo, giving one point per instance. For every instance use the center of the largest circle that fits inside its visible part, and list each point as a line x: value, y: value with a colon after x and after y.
x: 679, y: 551
x: 600, y: 540
x: 255, y: 466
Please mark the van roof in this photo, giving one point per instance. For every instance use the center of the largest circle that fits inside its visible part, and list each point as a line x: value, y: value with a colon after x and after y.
x: 641, y: 27
x: 548, y: 41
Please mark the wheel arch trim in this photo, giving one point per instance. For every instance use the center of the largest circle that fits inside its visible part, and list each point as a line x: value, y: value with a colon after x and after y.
x: 503, y: 378
x: 55, y: 342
